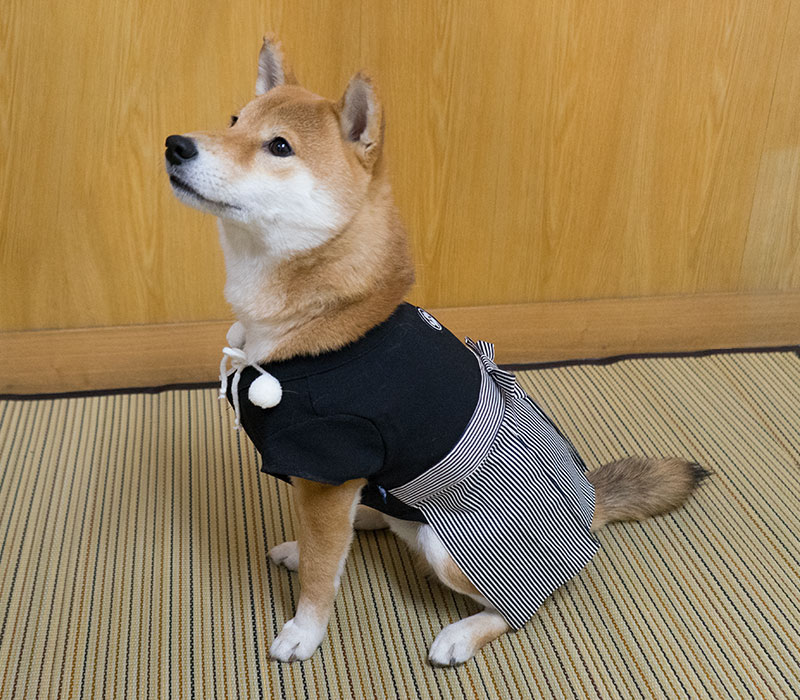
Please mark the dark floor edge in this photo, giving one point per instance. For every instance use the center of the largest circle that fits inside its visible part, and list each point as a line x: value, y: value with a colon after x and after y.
x: 514, y: 367
x: 110, y: 392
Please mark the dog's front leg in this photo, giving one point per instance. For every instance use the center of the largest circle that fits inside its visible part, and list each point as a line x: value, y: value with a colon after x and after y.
x: 326, y: 529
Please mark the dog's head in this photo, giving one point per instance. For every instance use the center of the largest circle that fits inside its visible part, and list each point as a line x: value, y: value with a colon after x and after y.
x: 293, y: 168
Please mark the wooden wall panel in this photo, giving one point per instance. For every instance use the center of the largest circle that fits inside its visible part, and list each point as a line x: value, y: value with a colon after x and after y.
x: 542, y: 149
x: 772, y: 250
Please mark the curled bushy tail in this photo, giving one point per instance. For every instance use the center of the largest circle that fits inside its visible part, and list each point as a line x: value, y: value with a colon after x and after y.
x: 635, y: 488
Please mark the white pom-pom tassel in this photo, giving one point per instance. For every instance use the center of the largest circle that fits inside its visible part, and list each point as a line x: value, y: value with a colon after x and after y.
x: 265, y: 391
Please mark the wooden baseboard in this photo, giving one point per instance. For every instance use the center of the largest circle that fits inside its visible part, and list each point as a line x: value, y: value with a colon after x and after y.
x: 149, y: 355
x: 599, y: 328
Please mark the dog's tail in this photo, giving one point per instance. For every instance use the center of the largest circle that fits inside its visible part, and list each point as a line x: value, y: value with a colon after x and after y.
x: 640, y: 487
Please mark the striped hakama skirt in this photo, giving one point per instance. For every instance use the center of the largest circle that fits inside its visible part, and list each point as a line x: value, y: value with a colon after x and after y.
x: 510, y: 502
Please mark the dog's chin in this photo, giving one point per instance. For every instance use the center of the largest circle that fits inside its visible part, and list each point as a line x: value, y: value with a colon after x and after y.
x: 190, y: 196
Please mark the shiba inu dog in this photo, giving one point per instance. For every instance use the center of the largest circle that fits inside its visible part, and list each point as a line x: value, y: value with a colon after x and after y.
x: 317, y: 261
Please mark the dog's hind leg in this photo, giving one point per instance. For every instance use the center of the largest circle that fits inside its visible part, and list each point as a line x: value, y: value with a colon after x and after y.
x: 369, y: 519
x: 326, y: 516
x: 459, y: 641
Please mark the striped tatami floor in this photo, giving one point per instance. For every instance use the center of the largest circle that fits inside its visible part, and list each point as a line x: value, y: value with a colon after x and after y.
x: 134, y: 530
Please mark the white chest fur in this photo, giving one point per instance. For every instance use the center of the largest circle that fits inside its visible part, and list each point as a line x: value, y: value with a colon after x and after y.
x: 256, y: 300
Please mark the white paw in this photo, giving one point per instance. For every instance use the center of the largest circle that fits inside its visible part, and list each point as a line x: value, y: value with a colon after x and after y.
x: 453, y: 645
x: 296, y: 643
x: 286, y: 554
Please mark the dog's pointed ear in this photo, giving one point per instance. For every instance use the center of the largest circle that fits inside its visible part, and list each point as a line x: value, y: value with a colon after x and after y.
x: 361, y: 118
x: 272, y: 67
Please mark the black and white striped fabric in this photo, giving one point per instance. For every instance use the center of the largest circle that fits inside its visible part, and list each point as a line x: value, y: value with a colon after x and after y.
x: 510, y: 502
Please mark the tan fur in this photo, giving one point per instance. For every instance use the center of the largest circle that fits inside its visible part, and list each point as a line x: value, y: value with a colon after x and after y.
x: 325, y: 515
x: 356, y: 287
x: 636, y: 488
x: 309, y: 122
x: 486, y: 630
x: 452, y: 576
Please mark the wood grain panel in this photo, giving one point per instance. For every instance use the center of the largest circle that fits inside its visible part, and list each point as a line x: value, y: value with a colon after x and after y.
x: 772, y: 251
x: 541, y: 150
x: 152, y: 355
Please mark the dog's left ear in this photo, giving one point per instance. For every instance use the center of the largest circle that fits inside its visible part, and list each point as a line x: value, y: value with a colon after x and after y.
x: 361, y: 118
x: 272, y: 67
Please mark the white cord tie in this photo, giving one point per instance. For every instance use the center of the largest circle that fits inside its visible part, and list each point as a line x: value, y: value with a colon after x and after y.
x: 265, y: 391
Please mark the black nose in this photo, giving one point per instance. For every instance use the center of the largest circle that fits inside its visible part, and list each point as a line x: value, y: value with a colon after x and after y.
x: 180, y: 149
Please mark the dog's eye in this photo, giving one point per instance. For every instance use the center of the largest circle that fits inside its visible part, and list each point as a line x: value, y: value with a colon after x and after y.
x: 280, y: 147
x: 234, y: 119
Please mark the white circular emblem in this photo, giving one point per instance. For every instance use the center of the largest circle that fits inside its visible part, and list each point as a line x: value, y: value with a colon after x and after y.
x: 430, y: 320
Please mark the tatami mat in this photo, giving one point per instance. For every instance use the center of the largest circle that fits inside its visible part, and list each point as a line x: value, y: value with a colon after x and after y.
x: 134, y: 530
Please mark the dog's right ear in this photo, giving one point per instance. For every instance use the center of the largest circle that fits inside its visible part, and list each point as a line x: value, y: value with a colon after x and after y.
x: 272, y: 67
x: 361, y: 118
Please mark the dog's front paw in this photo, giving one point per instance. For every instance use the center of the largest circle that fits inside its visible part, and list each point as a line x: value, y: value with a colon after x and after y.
x: 453, y: 645
x: 286, y: 554
x: 295, y: 642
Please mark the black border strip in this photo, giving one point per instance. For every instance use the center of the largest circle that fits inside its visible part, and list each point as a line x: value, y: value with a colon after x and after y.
x: 516, y: 368
x: 110, y: 392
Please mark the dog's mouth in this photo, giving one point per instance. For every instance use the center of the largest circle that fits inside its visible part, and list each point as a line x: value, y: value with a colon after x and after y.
x: 181, y: 186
